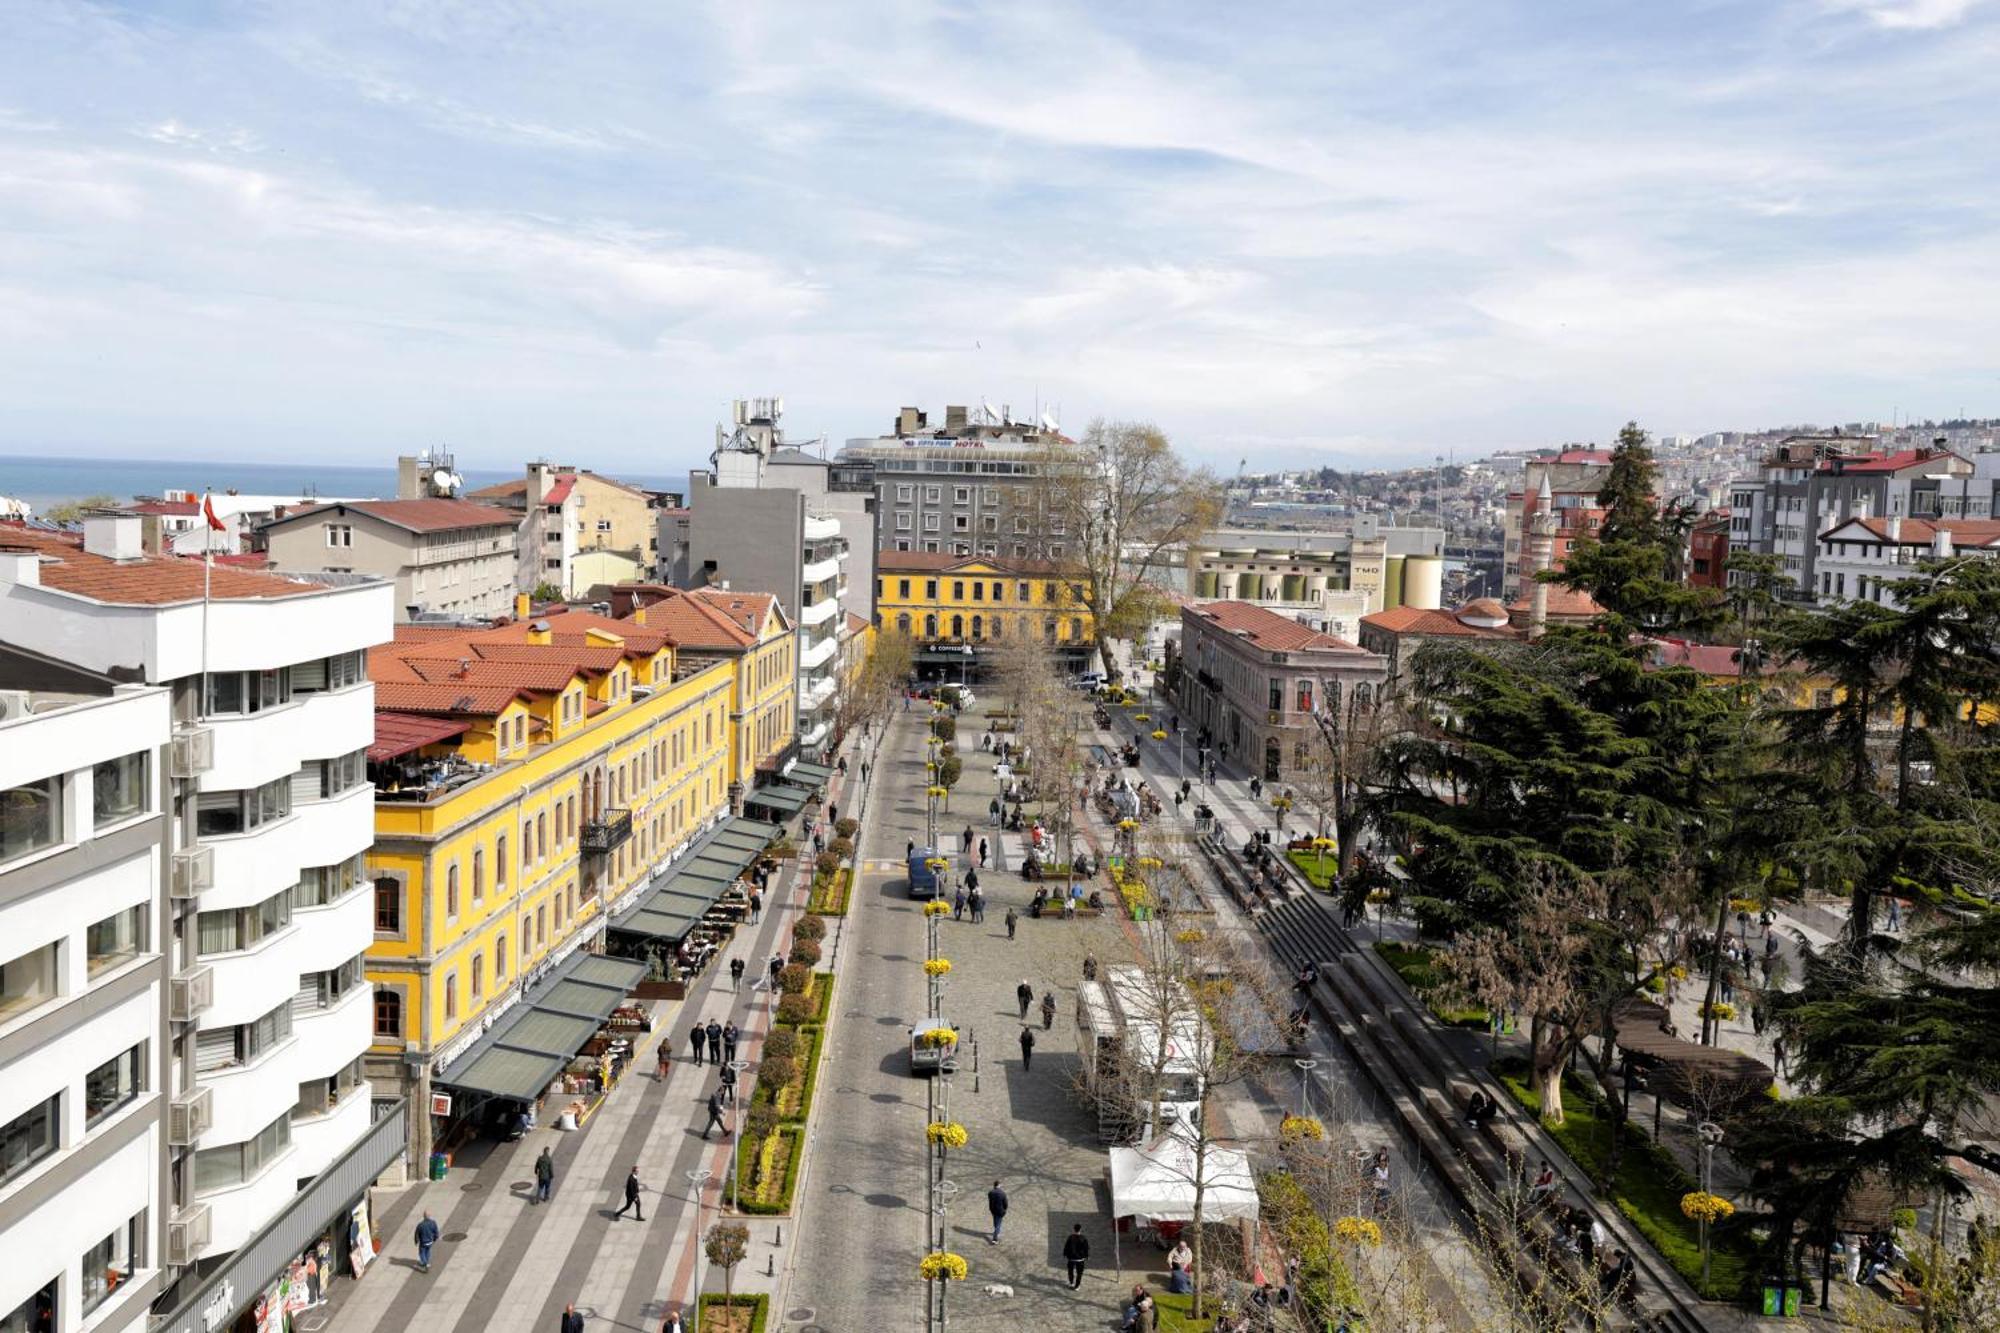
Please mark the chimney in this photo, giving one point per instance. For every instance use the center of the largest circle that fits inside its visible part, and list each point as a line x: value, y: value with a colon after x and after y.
x: 639, y: 615
x: 1892, y: 527
x: 909, y: 421
x: 1941, y: 544
x: 409, y: 482
x: 20, y: 567
x: 954, y: 418
x: 114, y: 536
x: 538, y: 632
x: 522, y: 606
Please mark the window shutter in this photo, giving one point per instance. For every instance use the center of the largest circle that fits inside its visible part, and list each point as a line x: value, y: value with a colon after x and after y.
x: 306, y: 783
x: 309, y: 676
x: 214, y: 1050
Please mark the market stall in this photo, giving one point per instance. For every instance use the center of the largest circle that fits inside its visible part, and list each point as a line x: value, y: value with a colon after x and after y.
x: 1154, y: 1183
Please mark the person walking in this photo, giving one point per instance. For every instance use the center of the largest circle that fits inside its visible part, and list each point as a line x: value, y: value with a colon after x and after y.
x: 1026, y: 995
x: 736, y: 974
x: 993, y: 812
x: 715, y: 1117
x: 777, y: 966
x: 966, y: 838
x: 665, y: 1058
x: 982, y: 853
x: 729, y: 1037
x: 756, y: 906
x: 715, y: 1041
x: 632, y: 1196
x: 833, y: 813
x: 840, y: 766
x: 996, y: 1205
x: 1027, y: 1048
x: 864, y: 770
x: 572, y: 1322
x: 958, y: 904
x: 1013, y: 919
x: 698, y: 1039
x: 1090, y: 967
x: 673, y: 1323
x: 427, y: 1236
x: 545, y: 1175
x: 728, y: 1088
x: 1076, y: 1249
x: 1048, y: 1010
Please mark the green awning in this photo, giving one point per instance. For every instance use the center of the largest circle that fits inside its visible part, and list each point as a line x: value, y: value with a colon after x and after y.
x: 709, y: 865
x: 661, y: 924
x: 579, y: 998
x: 519, y: 1075
x: 809, y: 775
x: 780, y: 796
x: 542, y: 1033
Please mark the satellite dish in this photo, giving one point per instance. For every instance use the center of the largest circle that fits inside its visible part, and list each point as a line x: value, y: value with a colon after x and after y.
x: 442, y: 479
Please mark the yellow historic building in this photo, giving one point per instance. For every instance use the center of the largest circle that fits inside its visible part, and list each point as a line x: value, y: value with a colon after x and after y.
x: 528, y: 777
x: 949, y: 604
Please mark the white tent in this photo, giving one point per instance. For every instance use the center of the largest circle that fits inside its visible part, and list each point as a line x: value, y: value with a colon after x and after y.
x: 1157, y: 1180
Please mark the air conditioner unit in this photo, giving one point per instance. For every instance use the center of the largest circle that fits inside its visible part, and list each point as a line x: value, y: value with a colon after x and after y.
x: 193, y: 752
x: 194, y: 870
x: 187, y: 1235
x: 190, y: 993
x: 189, y: 1116
x: 15, y: 704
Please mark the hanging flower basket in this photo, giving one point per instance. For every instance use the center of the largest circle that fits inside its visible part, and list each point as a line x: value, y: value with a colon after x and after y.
x: 936, y: 967
x: 1159, y: 735
x: 1142, y: 717
x: 1299, y: 1129
x: 947, y: 1132
x: 1357, y: 1231
x: 1745, y: 905
x: 1128, y: 824
x: 938, y: 793
x: 942, y: 1266
x: 1721, y: 1009
x: 1149, y: 863
x: 1710, y: 1208
x: 936, y: 907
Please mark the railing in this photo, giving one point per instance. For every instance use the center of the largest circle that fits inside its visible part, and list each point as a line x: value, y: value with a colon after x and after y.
x: 602, y: 836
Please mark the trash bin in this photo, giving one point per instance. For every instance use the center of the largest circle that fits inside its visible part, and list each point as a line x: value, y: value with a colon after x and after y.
x: 438, y: 1164
x: 1781, y: 1297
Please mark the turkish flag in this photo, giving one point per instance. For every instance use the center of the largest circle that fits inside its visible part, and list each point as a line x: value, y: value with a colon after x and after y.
x: 208, y: 512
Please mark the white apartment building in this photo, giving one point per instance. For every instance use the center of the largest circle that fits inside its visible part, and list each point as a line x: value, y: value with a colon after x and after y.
x: 1863, y: 559
x: 272, y: 1139
x: 82, y: 982
x: 823, y: 587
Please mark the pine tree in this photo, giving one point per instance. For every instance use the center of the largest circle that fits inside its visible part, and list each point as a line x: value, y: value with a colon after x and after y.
x: 1632, y: 566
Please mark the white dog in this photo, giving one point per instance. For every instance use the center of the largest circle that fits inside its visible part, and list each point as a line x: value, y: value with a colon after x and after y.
x: 997, y: 1289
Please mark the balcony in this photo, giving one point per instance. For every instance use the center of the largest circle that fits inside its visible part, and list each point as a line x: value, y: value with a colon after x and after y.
x: 818, y: 613
x: 603, y: 835
x: 821, y: 571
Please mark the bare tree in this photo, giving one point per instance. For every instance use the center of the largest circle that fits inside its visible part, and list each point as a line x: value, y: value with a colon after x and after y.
x: 1339, y: 772
x: 1048, y: 726
x: 1123, y: 501
x: 865, y: 690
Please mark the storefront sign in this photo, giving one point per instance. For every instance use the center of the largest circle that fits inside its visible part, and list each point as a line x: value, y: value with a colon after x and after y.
x: 440, y: 1103
x: 221, y: 1304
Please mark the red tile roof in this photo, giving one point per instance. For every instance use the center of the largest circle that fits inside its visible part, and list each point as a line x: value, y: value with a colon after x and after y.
x: 414, y: 515
x: 549, y: 676
x: 559, y: 492
x: 1881, y: 462
x: 500, y: 490
x: 1923, y: 531
x: 173, y: 508
x: 399, y: 734
x: 1709, y: 659
x: 1267, y: 629
x: 1435, y: 624
x: 418, y: 696
x: 154, y: 580
x: 1564, y: 604
x: 1582, y: 456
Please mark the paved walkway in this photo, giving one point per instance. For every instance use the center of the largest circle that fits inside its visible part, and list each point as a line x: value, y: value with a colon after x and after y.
x: 508, y: 1264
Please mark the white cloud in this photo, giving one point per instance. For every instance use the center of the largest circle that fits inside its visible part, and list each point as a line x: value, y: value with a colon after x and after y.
x: 1909, y: 14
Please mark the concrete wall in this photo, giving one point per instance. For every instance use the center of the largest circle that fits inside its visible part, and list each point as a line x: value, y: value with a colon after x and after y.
x: 752, y: 538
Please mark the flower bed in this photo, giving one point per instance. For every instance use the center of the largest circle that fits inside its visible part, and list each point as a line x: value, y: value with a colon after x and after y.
x: 830, y: 892
x: 744, y: 1312
x: 767, y: 1173
x: 1318, y: 870
x: 1133, y: 890
x: 1324, y: 1282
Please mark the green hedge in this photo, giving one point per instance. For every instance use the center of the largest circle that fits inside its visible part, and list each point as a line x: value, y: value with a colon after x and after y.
x: 1309, y: 864
x: 1647, y: 1188
x: 758, y: 1303
x: 746, y: 1169
x: 830, y: 894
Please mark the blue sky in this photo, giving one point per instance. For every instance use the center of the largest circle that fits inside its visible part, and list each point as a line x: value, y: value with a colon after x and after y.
x: 1342, y: 233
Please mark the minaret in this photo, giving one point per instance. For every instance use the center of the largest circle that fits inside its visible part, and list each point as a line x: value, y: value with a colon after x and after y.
x: 1541, y: 545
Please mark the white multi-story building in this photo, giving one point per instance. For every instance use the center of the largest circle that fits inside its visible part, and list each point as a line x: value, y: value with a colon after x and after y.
x: 1863, y: 559
x: 272, y: 1139
x: 82, y: 982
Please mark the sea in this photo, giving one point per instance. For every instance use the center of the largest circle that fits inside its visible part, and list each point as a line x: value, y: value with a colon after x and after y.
x: 43, y: 482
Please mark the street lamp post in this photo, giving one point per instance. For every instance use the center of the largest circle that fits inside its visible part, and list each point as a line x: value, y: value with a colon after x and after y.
x: 1710, y: 1134
x: 698, y: 1178
x: 1305, y: 1068
x: 736, y: 1140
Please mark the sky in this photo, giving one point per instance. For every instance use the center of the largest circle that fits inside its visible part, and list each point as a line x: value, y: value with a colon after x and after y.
x: 1293, y: 234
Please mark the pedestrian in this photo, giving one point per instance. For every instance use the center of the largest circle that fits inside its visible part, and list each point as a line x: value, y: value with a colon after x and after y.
x: 1013, y: 918
x: 1027, y: 1048
x: 993, y: 812
x: 1895, y: 914
x: 818, y: 845
x: 1778, y: 1057
x: 545, y: 1176
x: 715, y: 1117
x: 715, y: 1041
x: 1090, y: 967
x: 1048, y: 1010
x: 756, y: 906
x: 958, y: 904
x: 728, y: 1089
x: 833, y: 813
x: 840, y: 766
x: 736, y: 974
x: 673, y: 1322
x: 864, y: 770
x: 1026, y: 995
x: 572, y: 1322
x: 909, y: 849
x: 1076, y: 1249
x: 972, y: 880
x: 1380, y: 1177
x: 996, y: 1204
x: 982, y: 853
x: 698, y: 1038
x: 966, y: 838
x: 427, y: 1236
x: 632, y: 1196
x: 777, y: 965
x: 666, y: 1058
x: 729, y: 1036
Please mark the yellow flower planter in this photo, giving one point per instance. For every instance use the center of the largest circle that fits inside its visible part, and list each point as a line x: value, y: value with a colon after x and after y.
x: 1709, y: 1208
x: 937, y: 967
x: 943, y: 1266
x: 947, y: 1132
x: 1357, y: 1231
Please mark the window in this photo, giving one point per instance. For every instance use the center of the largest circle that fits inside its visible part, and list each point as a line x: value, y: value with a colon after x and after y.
x: 248, y: 691
x: 30, y: 817
x: 219, y: 1168
x: 330, y: 777
x: 1055, y: 550
x: 903, y: 622
x: 320, y: 885
x: 388, y: 907
x: 1024, y: 592
x: 243, y: 927
x: 1020, y: 525
x: 902, y: 546
x: 339, y: 534
x: 111, y: 1262
x: 961, y: 495
x: 478, y: 977
x: 933, y: 494
x: 478, y: 874
x: 451, y: 890
x: 329, y: 673
x: 1059, y: 526
x: 29, y: 981
x: 28, y: 1138
x: 978, y: 591
x: 989, y: 494
x: 388, y: 1013
x: 604, y: 525
x: 903, y: 589
x: 902, y: 520
x: 1305, y: 696
x: 905, y: 492
x: 977, y: 622
x: 958, y: 627
x: 961, y: 523
x: 451, y: 998
x: 118, y: 788
x: 116, y: 940
x: 500, y: 862
x: 115, y: 1083
x: 958, y: 590
x: 500, y: 959
x: 222, y: 813
x: 990, y: 523
x: 930, y: 627
x: 931, y: 523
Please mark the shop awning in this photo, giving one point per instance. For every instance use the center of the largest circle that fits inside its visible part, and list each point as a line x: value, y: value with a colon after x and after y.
x: 527, y: 1046
x: 809, y: 775
x: 780, y: 796
x: 687, y: 889
x: 725, y: 861
x: 398, y: 734
x: 742, y: 832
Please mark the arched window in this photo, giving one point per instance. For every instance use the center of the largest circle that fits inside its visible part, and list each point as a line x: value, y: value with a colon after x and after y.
x: 958, y: 627
x: 930, y: 627
x: 500, y: 958
x: 451, y: 889
x: 978, y: 622
x: 388, y: 1013
x: 903, y: 623
x: 478, y: 975
x: 1364, y: 695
